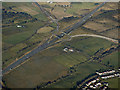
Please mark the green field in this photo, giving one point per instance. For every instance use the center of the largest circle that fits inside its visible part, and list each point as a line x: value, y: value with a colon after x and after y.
x: 25, y: 38
x: 28, y: 7
x: 54, y: 62
x: 83, y: 71
x: 78, y: 8
x: 113, y: 83
x: 112, y: 59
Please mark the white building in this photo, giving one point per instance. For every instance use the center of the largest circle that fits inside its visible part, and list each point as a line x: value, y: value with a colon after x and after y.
x: 71, y: 50
x: 19, y: 26
x: 65, y: 49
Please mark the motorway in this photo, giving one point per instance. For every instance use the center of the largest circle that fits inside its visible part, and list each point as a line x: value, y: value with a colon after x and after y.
x: 51, y: 42
x: 48, y: 14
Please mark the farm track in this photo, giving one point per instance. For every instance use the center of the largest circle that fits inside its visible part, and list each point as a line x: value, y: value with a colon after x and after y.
x: 75, y: 66
x: 99, y: 36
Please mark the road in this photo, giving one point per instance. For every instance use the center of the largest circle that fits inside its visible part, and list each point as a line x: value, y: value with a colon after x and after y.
x: 99, y: 36
x: 51, y: 42
x: 48, y: 14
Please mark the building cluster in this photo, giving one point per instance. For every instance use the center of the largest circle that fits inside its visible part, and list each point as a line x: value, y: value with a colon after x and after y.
x: 104, y: 73
x: 18, y: 26
x: 111, y: 76
x: 49, y: 2
x: 68, y: 49
x: 95, y: 84
x: 63, y: 4
x: 108, y: 74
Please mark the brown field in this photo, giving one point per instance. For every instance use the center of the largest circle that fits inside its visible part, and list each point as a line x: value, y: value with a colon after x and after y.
x: 117, y: 16
x: 44, y: 29
x: 110, y: 6
x: 112, y: 33
x: 59, y: 12
x: 95, y: 26
x: 64, y: 25
x: 80, y: 31
x: 28, y: 10
x: 107, y: 21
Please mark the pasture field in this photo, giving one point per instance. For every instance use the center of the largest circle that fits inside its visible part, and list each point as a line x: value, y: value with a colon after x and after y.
x: 59, y: 12
x: 113, y: 83
x: 82, y: 71
x: 78, y: 8
x: 112, y: 59
x: 21, y: 48
x: 19, y: 40
x: 34, y: 72
x: 54, y: 62
x: 14, y: 35
x: 90, y: 45
x: 28, y: 7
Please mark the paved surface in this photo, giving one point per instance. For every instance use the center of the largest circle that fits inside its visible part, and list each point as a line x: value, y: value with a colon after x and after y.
x: 48, y: 14
x: 51, y: 42
x: 99, y: 36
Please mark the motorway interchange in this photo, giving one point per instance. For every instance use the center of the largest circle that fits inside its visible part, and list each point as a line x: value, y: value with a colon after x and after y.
x: 54, y: 40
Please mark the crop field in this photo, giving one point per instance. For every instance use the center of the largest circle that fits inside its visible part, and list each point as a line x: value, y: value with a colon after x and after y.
x: 95, y: 26
x: 45, y: 29
x: 112, y: 33
x: 107, y: 21
x: 54, y: 62
x: 76, y: 9
x: 64, y: 23
x: 110, y: 6
x: 80, y: 31
x: 28, y: 10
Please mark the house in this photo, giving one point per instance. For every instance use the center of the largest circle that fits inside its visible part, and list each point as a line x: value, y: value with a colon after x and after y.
x: 71, y: 50
x: 63, y: 4
x: 104, y: 73
x: 18, y: 26
x: 49, y: 2
x: 65, y: 49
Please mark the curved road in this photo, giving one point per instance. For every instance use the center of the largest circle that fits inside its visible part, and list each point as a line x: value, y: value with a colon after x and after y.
x: 99, y: 36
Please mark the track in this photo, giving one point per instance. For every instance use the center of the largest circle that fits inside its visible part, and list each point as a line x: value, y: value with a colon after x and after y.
x: 93, y: 35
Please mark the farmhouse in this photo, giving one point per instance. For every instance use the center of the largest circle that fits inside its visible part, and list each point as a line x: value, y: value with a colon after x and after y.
x: 18, y: 26
x: 64, y: 4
